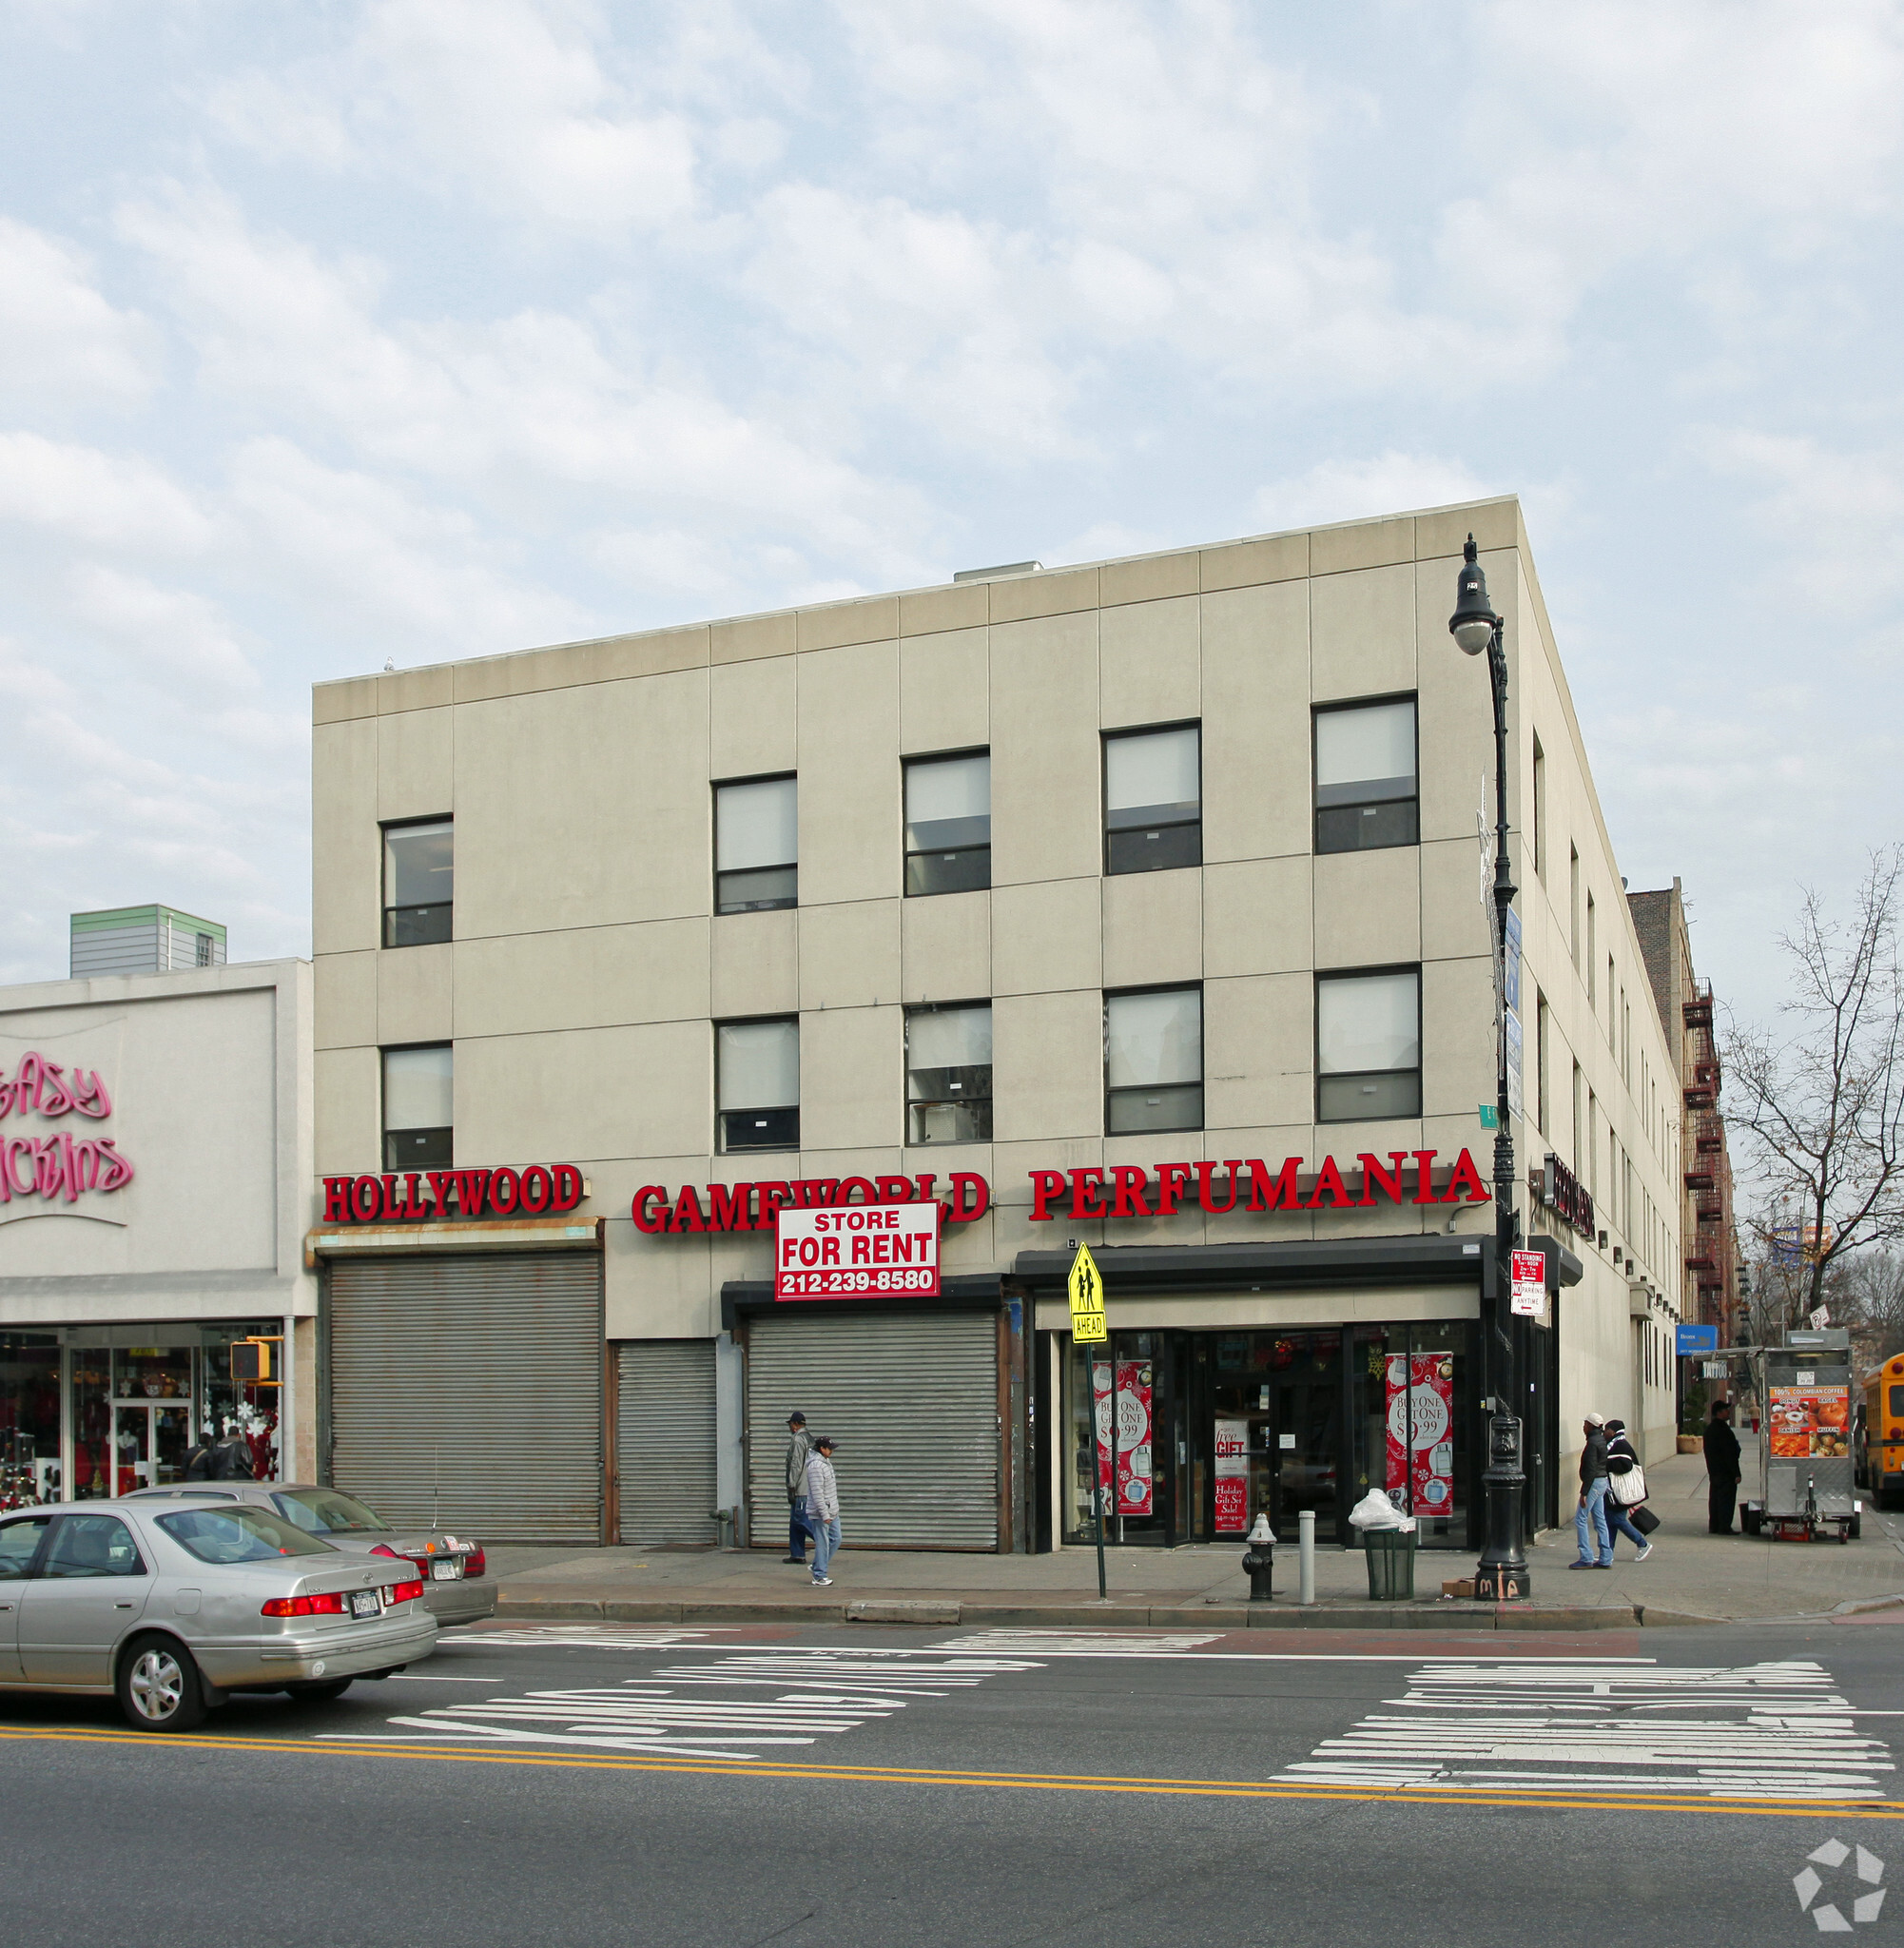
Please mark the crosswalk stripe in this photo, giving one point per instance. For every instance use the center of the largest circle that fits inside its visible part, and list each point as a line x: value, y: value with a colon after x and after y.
x: 1586, y: 1726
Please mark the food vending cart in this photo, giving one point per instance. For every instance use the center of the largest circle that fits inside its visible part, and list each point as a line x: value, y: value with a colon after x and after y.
x: 1805, y: 1487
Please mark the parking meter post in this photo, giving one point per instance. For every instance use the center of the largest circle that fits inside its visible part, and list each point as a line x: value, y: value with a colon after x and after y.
x: 1306, y: 1556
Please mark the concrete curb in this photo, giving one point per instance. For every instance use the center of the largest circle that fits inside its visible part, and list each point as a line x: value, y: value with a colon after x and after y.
x: 1439, y: 1615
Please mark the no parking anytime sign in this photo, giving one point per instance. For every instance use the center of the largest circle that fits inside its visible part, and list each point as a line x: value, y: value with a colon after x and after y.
x: 856, y: 1251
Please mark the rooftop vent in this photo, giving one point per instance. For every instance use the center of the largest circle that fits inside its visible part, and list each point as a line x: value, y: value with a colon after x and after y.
x: 999, y: 574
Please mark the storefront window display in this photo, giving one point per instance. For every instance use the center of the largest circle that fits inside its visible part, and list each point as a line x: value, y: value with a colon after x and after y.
x: 1119, y: 1406
x: 140, y: 1396
x: 1414, y: 1409
x: 30, y: 1418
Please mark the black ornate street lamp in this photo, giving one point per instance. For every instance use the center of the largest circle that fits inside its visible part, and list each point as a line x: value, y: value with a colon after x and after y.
x: 1502, y: 1573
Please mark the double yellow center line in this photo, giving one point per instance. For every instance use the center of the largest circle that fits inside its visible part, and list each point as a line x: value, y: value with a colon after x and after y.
x: 1019, y: 1781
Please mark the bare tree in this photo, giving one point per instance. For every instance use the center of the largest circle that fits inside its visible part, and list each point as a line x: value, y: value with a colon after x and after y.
x: 1823, y: 1103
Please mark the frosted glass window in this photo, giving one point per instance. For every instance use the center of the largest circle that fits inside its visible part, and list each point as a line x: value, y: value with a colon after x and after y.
x: 1365, y: 777
x: 948, y: 1075
x: 949, y: 824
x: 756, y: 845
x: 759, y: 1064
x: 1152, y: 800
x: 1153, y: 1061
x: 1369, y: 1047
x: 418, y: 1107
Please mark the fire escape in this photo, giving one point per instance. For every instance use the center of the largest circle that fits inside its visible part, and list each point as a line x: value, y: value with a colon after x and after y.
x: 1708, y: 1181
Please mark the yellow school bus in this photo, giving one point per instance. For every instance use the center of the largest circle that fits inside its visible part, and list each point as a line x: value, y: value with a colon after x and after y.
x: 1880, y: 1434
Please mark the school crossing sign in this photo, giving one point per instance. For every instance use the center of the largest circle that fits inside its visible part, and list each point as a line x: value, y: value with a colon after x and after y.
x: 1086, y: 1286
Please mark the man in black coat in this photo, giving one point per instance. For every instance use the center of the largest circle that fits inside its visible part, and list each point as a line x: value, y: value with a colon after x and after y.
x: 1722, y: 1468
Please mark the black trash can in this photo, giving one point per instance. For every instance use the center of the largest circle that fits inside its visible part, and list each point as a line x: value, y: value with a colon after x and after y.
x: 1392, y: 1564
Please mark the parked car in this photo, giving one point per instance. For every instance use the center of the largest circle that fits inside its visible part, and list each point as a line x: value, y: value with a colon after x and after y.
x: 453, y: 1567
x: 173, y: 1607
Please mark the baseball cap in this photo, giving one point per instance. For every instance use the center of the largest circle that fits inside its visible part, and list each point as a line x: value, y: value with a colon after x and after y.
x: 1596, y: 1420
x: 796, y: 1418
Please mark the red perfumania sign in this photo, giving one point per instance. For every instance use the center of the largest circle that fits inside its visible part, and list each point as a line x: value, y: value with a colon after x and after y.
x: 544, y: 1190
x: 57, y: 1168
x: 1245, y: 1184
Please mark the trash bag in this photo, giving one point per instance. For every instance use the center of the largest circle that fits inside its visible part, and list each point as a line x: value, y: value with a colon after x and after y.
x: 1375, y: 1510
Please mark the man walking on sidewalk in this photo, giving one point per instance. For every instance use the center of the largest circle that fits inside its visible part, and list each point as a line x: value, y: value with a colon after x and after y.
x: 822, y: 1507
x: 798, y: 1448
x: 1722, y: 1468
x: 1589, y: 1518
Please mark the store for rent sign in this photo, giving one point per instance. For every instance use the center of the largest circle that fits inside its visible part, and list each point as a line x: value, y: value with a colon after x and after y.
x: 856, y: 1251
x: 59, y: 1167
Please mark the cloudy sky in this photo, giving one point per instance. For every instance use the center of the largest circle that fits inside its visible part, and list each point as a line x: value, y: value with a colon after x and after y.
x: 414, y: 329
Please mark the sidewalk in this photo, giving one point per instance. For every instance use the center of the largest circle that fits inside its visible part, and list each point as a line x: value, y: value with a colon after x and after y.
x: 1690, y: 1577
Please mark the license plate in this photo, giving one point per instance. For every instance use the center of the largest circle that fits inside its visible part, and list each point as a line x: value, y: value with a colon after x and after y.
x: 445, y: 1572
x: 366, y: 1603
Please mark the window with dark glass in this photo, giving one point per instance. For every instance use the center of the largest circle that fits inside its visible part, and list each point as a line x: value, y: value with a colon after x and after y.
x: 948, y: 1074
x: 757, y: 1085
x: 1152, y: 800
x: 418, y: 1114
x: 418, y: 882
x: 1153, y: 1061
x: 1367, y: 1045
x: 1365, y: 776
x: 757, y: 845
x: 949, y: 824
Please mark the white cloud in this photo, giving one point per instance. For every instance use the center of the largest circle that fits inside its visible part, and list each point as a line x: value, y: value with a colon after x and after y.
x: 104, y: 499
x: 1343, y: 490
x: 58, y: 334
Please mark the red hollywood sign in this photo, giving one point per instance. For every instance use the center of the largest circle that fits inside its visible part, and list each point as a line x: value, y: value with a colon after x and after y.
x: 750, y: 1206
x: 544, y: 1190
x: 57, y: 1168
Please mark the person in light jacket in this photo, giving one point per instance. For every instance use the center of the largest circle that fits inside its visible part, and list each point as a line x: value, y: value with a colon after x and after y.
x: 1623, y: 1457
x: 823, y: 1507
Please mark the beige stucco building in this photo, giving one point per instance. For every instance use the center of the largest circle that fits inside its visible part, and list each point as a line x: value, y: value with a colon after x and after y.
x: 155, y: 1187
x: 1163, y: 860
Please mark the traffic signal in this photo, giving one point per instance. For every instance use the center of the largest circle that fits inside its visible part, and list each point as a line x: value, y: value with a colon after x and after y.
x: 251, y: 1362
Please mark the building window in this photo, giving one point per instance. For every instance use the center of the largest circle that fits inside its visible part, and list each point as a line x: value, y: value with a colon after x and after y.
x: 1539, y: 818
x: 1573, y: 909
x: 1153, y: 1061
x: 757, y: 1085
x: 1365, y: 777
x: 201, y: 955
x: 418, y: 1107
x: 949, y: 824
x: 1592, y: 999
x: 1367, y: 1046
x: 418, y: 883
x: 948, y: 1074
x: 1542, y: 1110
x: 757, y: 845
x: 1152, y: 804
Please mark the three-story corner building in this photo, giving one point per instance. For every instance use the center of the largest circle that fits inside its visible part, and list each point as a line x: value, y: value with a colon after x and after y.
x: 1137, y: 905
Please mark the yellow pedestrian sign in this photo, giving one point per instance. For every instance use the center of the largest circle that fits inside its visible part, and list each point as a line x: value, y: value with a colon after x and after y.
x: 1087, y: 1298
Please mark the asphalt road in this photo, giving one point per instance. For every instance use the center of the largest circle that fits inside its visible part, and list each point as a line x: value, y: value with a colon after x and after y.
x: 851, y: 1785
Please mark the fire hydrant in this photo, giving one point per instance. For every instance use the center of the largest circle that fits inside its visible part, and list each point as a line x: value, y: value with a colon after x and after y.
x: 1258, y: 1558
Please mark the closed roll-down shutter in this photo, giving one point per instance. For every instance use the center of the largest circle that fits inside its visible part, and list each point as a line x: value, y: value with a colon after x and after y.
x: 468, y: 1392
x: 665, y: 1441
x: 913, y: 1401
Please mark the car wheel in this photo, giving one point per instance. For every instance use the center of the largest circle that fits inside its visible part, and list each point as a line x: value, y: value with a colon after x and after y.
x: 159, y: 1687
x: 320, y: 1693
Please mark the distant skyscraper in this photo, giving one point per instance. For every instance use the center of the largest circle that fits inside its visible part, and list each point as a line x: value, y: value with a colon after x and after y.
x: 144, y: 940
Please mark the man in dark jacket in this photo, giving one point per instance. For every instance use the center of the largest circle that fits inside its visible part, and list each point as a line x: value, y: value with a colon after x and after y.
x: 798, y: 1448
x: 1722, y: 1468
x: 1589, y: 1518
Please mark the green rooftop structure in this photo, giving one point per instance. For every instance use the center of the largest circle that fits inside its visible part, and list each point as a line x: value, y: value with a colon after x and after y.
x: 144, y: 940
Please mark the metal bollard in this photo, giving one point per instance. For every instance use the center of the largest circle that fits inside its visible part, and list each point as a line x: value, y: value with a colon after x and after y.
x: 1260, y: 1559
x: 1306, y: 1556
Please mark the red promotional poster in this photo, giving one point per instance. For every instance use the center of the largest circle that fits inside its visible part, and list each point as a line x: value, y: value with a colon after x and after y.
x: 1421, y: 1433
x: 1233, y: 1476
x: 1134, y: 1432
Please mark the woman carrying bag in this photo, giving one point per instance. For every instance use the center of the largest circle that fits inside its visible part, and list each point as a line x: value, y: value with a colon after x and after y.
x: 1627, y: 1509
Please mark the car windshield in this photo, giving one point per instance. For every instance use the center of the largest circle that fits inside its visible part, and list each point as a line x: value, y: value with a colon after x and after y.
x: 239, y: 1536
x: 324, y: 1512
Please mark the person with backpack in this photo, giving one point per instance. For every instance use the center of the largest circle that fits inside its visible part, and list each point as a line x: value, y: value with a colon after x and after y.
x: 1625, y: 1490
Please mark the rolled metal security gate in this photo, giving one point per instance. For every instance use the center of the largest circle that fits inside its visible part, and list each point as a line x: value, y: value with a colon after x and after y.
x: 468, y: 1390
x: 665, y: 1441
x: 913, y: 1400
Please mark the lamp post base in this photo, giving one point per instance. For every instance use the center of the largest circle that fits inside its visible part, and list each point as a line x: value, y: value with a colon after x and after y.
x: 1502, y: 1583
x: 1501, y: 1576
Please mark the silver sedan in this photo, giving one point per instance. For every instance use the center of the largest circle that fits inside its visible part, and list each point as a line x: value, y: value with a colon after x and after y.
x: 453, y: 1567
x: 173, y: 1607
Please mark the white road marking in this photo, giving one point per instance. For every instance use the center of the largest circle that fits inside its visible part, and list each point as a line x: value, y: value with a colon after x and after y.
x: 1083, y: 1643
x: 814, y: 1696
x: 1549, y: 1725
x: 587, y: 1637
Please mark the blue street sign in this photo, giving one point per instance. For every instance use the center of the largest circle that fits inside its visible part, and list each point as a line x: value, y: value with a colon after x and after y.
x: 1696, y: 1339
